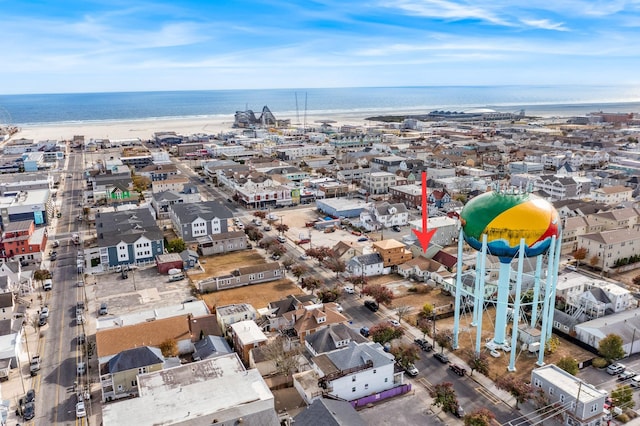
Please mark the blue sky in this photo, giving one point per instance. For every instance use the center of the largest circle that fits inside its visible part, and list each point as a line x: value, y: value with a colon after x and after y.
x: 114, y: 45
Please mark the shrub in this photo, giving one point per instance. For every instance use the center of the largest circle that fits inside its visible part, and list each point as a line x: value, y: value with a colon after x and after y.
x: 623, y: 418
x: 599, y: 362
x: 413, y: 290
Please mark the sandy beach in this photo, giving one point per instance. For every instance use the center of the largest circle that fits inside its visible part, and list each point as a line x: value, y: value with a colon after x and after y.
x: 144, y: 129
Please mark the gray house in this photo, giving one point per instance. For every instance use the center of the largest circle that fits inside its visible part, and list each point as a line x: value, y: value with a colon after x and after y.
x: 191, y: 221
x: 243, y: 276
x: 128, y: 237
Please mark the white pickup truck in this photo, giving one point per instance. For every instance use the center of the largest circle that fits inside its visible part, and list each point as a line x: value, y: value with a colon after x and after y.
x: 34, y: 366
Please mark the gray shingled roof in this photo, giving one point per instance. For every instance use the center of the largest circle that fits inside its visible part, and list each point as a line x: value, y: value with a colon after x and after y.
x: 127, y: 226
x: 355, y: 355
x: 208, y: 210
x: 370, y: 259
x: 135, y: 358
x: 328, y: 412
x: 325, y: 340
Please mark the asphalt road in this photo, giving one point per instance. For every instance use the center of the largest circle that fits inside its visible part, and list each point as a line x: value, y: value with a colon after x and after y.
x: 58, y: 347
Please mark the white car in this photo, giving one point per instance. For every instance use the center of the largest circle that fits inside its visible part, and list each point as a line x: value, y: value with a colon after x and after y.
x: 339, y: 307
x: 394, y: 323
x: 80, y: 410
x: 349, y: 290
x: 44, y: 312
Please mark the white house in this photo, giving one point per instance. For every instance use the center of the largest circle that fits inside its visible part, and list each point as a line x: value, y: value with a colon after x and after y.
x: 605, y: 249
x: 384, y: 215
x: 368, y: 265
x: 357, y: 370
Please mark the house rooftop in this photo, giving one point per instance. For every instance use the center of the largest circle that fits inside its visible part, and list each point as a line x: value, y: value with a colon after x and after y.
x: 177, y: 396
x: 569, y: 384
x: 248, y: 332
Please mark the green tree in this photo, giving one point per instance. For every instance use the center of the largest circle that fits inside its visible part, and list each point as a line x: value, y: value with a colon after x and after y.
x: 479, y: 417
x: 380, y: 293
x: 520, y: 390
x: 610, y: 348
x: 405, y: 354
x: 384, y: 333
x: 176, y: 246
x: 622, y: 396
x: 568, y: 364
x: 445, y: 396
x: 478, y: 361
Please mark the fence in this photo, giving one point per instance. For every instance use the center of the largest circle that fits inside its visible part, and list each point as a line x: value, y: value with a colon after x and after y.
x: 389, y: 393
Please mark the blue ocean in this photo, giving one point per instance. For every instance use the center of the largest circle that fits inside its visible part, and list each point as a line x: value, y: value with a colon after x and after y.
x: 295, y: 104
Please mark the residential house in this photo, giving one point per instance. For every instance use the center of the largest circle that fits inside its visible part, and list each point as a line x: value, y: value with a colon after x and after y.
x: 585, y: 403
x: 612, y: 194
x: 176, y: 396
x: 378, y: 182
x: 384, y: 215
x: 176, y: 183
x: 159, y: 172
x: 626, y: 217
x: 262, y: 358
x: 311, y: 317
x: 447, y: 229
x: 345, y: 250
x: 625, y: 324
x: 439, y: 198
x: 210, y: 347
x: 607, y: 249
x: 393, y: 252
x: 247, y: 275
x: 230, y: 314
x: 409, y: 195
x: 391, y: 163
x: 119, y: 375
x: 222, y: 243
x: 15, y: 279
x: 329, y: 412
x: 162, y: 201
x: 191, y: 221
x: 352, y: 175
x: 128, y: 237
x: 23, y: 242
x: 422, y: 269
x: 7, y: 305
x: 333, y: 337
x: 368, y: 265
x: 245, y: 336
x: 356, y: 370
x: 560, y: 188
x: 111, y: 187
x: 278, y: 308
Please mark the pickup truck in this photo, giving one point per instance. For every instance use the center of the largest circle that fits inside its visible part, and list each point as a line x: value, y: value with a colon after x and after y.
x: 34, y: 366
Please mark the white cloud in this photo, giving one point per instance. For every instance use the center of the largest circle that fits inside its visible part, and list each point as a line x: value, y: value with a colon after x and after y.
x: 545, y: 24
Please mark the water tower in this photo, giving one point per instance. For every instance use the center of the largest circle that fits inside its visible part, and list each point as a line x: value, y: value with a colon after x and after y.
x: 511, y: 226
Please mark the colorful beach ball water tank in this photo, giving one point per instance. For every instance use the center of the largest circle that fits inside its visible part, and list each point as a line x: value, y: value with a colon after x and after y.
x: 506, y: 219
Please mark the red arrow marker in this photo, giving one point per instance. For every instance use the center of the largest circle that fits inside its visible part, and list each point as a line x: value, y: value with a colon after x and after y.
x: 425, y: 235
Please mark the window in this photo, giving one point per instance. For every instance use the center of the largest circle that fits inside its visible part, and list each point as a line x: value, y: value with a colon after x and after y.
x: 366, y: 386
x: 561, y: 398
x: 374, y: 371
x: 353, y: 389
x: 386, y: 379
x: 353, y: 378
x: 550, y: 390
x: 142, y: 370
x: 594, y: 408
x: 134, y: 383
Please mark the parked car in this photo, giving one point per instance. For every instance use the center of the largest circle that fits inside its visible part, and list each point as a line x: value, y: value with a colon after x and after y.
x: 441, y: 357
x: 459, y: 412
x: 372, y: 305
x: 423, y: 344
x: 364, y: 331
x: 460, y: 371
x: 81, y: 338
x: 394, y: 323
x: 30, y: 396
x: 396, y: 228
x: 29, y: 411
x: 281, y: 239
x: 616, y: 368
x: 348, y: 289
x: 103, y: 309
x: 43, y: 321
x: 362, y: 239
x: 339, y: 307
x: 44, y: 312
x: 628, y: 374
x: 81, y: 368
x: 411, y: 370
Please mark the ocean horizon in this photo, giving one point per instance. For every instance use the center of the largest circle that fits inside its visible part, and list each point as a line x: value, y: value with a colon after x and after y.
x: 297, y: 104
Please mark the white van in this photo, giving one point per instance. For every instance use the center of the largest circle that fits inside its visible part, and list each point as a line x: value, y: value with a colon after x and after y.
x: 47, y: 285
x: 281, y: 239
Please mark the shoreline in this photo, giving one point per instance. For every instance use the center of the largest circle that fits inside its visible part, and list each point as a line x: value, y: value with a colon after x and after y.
x: 145, y: 128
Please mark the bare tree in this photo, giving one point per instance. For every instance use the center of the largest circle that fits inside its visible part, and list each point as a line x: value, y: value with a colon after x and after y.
x: 283, y: 354
x: 403, y: 311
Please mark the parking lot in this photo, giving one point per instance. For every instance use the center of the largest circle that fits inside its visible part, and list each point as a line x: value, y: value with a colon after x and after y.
x: 144, y: 288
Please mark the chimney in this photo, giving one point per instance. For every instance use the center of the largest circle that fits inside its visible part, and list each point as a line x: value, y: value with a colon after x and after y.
x: 189, y: 317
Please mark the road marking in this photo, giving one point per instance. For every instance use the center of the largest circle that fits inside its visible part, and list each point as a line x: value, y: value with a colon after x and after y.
x: 482, y: 391
x: 424, y: 382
